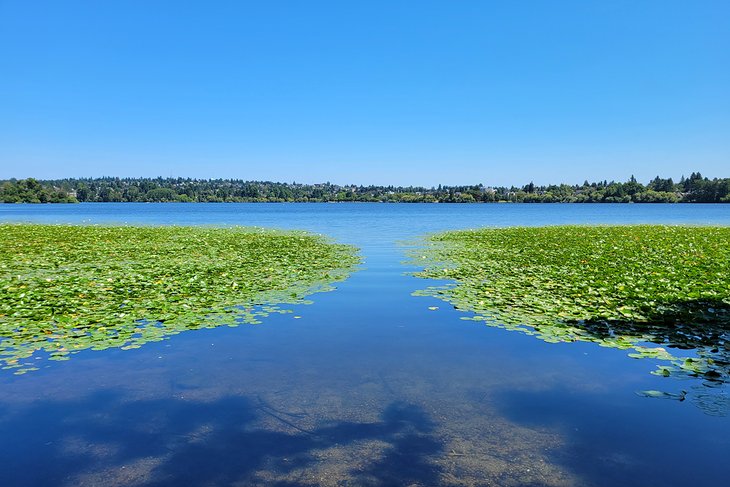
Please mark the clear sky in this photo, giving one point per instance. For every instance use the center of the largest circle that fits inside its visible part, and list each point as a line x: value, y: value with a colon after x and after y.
x: 365, y: 92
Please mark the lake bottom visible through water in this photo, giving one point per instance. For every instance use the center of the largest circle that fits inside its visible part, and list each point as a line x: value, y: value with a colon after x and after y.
x: 365, y: 386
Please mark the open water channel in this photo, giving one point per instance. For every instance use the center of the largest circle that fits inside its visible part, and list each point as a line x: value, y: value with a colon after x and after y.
x: 368, y: 387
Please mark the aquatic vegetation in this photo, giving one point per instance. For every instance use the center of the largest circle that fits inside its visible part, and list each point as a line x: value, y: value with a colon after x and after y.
x: 661, y: 292
x: 70, y: 288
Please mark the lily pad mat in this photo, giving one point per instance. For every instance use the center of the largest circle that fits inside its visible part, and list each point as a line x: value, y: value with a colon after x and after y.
x: 67, y: 288
x: 661, y: 291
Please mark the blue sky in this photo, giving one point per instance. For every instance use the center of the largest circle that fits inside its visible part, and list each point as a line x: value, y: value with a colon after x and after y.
x: 365, y: 92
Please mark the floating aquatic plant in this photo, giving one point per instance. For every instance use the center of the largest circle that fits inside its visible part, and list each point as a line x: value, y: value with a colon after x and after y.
x: 662, y: 292
x: 70, y: 288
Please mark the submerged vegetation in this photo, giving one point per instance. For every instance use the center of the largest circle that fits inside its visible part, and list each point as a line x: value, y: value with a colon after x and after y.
x: 693, y: 189
x: 663, y: 292
x: 70, y: 288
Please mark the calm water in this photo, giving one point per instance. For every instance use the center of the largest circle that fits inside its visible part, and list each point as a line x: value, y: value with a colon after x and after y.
x: 369, y: 387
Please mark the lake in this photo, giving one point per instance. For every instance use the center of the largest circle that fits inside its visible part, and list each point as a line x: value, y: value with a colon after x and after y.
x: 367, y: 385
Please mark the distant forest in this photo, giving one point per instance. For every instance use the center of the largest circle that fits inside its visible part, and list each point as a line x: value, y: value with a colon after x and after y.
x: 694, y: 189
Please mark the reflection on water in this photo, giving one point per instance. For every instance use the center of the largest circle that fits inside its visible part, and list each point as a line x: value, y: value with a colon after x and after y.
x: 368, y: 387
x: 612, y: 459
x: 220, y: 442
x: 355, y: 426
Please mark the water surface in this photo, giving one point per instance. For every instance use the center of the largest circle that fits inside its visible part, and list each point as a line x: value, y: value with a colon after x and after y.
x: 368, y: 387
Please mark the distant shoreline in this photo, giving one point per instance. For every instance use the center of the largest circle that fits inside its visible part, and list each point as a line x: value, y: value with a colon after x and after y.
x: 694, y: 189
x: 370, y: 202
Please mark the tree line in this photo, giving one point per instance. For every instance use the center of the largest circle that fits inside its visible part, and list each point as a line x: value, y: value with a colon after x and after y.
x: 694, y: 189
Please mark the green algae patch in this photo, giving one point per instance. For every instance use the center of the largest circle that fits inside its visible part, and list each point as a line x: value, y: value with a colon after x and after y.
x: 662, y: 292
x: 69, y: 288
